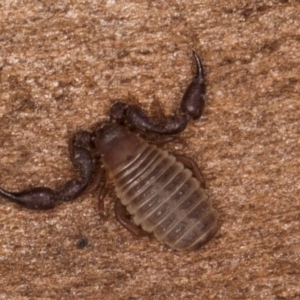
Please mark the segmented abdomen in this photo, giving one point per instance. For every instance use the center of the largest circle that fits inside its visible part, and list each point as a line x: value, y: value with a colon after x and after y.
x: 164, y: 198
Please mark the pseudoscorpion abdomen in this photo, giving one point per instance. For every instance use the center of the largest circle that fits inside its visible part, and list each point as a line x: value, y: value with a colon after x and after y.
x: 164, y: 198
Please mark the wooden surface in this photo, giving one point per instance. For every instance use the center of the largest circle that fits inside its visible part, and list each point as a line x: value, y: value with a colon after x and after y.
x: 64, y: 63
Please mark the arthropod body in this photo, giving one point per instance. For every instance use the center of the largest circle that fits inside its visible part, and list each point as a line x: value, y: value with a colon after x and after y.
x: 162, y: 195
x: 163, y: 192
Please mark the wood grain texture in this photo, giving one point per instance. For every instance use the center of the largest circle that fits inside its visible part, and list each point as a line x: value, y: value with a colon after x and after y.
x: 63, y: 64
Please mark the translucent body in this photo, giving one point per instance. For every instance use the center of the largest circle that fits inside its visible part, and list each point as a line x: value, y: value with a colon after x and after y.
x: 164, y: 198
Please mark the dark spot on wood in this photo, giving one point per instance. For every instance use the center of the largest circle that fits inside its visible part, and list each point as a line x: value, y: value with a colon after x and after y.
x: 82, y: 243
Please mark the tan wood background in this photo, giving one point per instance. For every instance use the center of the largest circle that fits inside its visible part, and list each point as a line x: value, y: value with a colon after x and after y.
x: 64, y: 63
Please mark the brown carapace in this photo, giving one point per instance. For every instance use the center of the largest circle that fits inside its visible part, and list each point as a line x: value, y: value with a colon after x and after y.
x: 163, y: 193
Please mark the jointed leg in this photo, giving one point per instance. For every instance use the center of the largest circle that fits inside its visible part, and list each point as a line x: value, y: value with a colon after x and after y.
x: 161, y: 141
x: 95, y: 184
x: 101, y: 196
x: 96, y: 180
x: 190, y: 164
x: 121, y: 215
